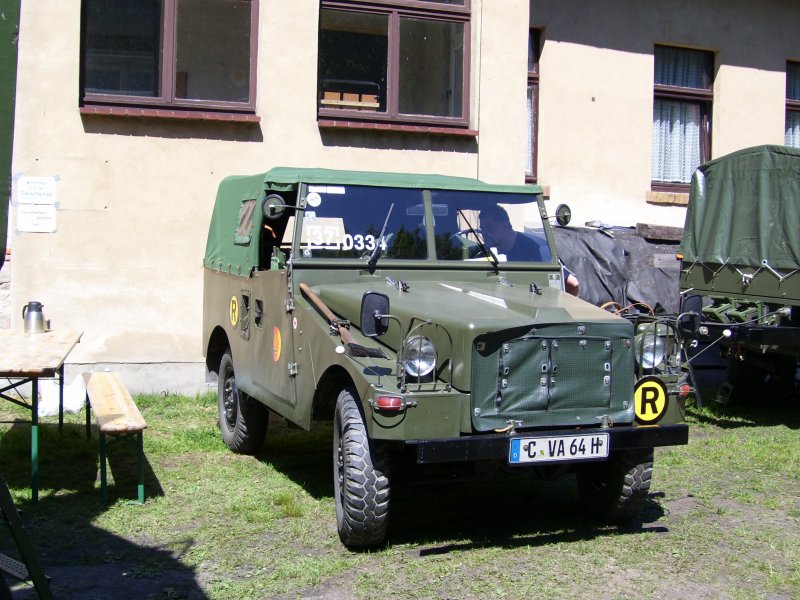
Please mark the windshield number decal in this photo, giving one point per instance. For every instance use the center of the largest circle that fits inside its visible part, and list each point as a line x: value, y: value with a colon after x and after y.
x: 332, y: 237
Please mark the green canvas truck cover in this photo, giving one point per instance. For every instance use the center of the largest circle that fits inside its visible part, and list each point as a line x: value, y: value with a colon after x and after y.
x: 236, y: 223
x: 744, y: 208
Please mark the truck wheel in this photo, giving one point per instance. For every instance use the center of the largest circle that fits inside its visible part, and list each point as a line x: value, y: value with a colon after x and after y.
x: 614, y: 491
x: 361, y: 482
x: 242, y: 420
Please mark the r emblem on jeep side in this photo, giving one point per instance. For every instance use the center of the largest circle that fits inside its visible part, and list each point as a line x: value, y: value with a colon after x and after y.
x: 234, y: 310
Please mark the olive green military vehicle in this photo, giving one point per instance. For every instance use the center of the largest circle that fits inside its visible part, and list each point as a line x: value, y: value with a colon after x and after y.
x: 405, y: 309
x: 740, y: 269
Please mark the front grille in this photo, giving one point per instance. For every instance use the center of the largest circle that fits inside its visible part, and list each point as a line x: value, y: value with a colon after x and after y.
x: 558, y: 375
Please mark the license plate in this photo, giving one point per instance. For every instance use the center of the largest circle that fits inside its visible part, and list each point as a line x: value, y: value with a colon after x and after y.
x: 558, y: 448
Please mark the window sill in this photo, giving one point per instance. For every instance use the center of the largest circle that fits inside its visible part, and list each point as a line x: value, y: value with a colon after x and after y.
x: 372, y: 126
x: 676, y: 198
x: 168, y: 113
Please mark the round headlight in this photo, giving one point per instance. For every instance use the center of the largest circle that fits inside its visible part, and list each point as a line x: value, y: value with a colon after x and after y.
x: 649, y: 350
x: 420, y: 356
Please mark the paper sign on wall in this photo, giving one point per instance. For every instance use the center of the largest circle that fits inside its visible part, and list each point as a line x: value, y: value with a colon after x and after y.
x: 36, y: 204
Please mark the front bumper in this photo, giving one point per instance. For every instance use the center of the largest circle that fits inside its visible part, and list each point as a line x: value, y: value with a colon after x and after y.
x: 496, y: 446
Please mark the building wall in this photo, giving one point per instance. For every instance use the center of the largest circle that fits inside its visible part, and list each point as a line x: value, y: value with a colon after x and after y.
x: 134, y: 195
x: 596, y: 92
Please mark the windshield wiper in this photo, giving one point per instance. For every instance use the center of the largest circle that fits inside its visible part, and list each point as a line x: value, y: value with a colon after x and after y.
x: 479, y: 239
x: 376, y: 251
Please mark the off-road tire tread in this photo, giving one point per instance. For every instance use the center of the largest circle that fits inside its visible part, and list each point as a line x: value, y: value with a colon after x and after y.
x: 363, y: 514
x: 615, y: 491
x: 252, y: 418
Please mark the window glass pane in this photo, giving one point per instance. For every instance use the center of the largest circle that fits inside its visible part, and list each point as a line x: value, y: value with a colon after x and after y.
x: 339, y: 227
x: 676, y: 140
x: 793, y: 128
x: 431, y: 67
x: 122, y: 47
x: 683, y: 68
x: 509, y: 225
x: 533, y: 51
x: 353, y: 57
x: 531, y: 132
x: 213, y: 50
x: 793, y: 81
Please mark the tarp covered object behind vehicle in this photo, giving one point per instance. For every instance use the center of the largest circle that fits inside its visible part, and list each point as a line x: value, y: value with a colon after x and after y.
x: 625, y: 269
x: 744, y: 208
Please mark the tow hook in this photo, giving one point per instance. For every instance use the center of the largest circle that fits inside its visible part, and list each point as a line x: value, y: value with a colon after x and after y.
x: 511, y: 428
x: 605, y: 421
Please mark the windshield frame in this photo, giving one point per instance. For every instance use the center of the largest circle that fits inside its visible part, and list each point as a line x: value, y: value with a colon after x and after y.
x: 473, y: 201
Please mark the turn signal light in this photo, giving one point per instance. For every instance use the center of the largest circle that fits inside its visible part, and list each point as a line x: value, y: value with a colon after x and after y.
x: 685, y: 390
x: 389, y: 403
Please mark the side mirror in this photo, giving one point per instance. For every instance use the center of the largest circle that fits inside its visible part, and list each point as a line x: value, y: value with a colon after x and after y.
x: 374, y: 306
x: 274, y: 206
x: 563, y: 215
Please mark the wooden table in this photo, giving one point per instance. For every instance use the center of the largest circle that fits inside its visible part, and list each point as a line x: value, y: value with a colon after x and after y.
x: 27, y: 357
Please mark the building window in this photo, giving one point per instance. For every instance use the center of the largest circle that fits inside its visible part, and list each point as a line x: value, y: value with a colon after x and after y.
x: 400, y: 61
x: 176, y: 53
x: 681, y: 115
x: 534, y: 40
x: 793, y: 104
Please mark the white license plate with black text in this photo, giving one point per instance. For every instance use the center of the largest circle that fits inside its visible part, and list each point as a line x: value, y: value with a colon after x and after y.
x: 556, y: 448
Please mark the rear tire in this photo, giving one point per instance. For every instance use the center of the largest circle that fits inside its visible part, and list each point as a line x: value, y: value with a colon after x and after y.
x: 361, y: 480
x: 242, y: 419
x: 614, y: 491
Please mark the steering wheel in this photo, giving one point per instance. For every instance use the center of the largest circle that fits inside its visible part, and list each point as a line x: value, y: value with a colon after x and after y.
x: 474, y: 249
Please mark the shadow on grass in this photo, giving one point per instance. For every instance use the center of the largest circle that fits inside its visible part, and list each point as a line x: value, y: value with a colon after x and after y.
x: 434, y: 505
x: 761, y: 412
x: 84, y: 561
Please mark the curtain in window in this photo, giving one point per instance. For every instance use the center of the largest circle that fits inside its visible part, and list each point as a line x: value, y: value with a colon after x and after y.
x: 683, y: 68
x: 793, y: 128
x: 531, y: 135
x: 793, y: 81
x: 676, y: 140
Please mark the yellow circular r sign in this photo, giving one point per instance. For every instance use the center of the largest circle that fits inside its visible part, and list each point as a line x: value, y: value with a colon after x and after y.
x: 234, y: 310
x: 650, y: 400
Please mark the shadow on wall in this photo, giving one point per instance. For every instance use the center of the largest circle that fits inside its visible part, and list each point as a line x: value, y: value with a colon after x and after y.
x: 173, y: 128
x: 632, y: 26
x: 398, y: 141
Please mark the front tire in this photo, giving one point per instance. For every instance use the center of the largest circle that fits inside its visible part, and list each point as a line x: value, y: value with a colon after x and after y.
x: 242, y: 419
x: 361, y: 480
x: 614, y: 491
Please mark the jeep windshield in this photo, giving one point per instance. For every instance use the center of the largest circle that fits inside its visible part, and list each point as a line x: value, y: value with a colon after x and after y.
x: 385, y: 224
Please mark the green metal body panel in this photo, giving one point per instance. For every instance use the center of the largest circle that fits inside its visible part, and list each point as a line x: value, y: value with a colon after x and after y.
x: 287, y: 355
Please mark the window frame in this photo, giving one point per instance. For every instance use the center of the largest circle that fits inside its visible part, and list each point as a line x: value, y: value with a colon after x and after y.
x: 535, y: 37
x: 167, y: 71
x: 792, y: 104
x: 704, y: 98
x: 394, y: 10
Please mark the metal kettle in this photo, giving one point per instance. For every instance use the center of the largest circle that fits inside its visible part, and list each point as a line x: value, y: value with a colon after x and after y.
x: 33, y: 318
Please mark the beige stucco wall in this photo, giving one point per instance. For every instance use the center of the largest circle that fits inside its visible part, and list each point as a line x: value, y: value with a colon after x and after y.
x: 134, y: 195
x: 596, y: 97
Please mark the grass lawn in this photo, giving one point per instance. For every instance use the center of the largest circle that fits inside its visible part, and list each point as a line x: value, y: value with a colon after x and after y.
x: 722, y: 521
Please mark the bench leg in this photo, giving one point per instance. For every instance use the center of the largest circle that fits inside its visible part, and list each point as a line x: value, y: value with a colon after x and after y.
x: 103, y: 479
x: 140, y: 452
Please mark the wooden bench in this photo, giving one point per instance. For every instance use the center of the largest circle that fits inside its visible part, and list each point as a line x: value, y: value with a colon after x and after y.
x: 117, y: 415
